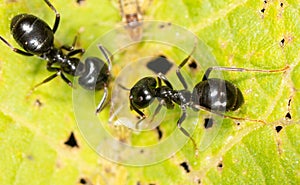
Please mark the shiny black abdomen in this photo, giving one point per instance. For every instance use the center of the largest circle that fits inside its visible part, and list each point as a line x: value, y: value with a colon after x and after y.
x: 32, y: 33
x: 218, y: 95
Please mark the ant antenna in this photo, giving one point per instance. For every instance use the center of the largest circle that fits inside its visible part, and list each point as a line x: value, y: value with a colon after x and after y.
x: 219, y: 68
x: 123, y: 87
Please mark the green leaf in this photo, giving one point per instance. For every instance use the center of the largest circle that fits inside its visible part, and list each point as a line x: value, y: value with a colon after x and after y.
x: 33, y: 129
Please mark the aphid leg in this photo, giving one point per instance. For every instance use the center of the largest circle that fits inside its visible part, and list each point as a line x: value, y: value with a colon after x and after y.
x: 57, y: 16
x: 122, y: 9
x: 218, y: 68
x: 15, y: 49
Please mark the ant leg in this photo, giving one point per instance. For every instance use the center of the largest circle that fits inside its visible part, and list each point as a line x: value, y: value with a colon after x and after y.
x: 66, y: 80
x: 159, y: 82
x: 70, y: 48
x: 164, y: 78
x: 199, y: 107
x: 57, y: 16
x: 137, y: 111
x: 58, y: 71
x: 103, y: 51
x: 76, y: 51
x: 178, y: 73
x: 15, y: 49
x: 142, y: 115
x: 218, y: 68
x: 158, y: 108
x: 43, y: 82
x: 185, y: 132
x: 101, y: 103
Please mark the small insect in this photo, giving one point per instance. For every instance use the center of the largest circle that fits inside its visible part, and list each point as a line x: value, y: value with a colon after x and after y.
x: 211, y: 94
x: 132, y: 15
x: 37, y: 38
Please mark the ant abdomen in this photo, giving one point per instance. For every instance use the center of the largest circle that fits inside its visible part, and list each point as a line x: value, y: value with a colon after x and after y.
x: 217, y: 95
x: 26, y: 27
x: 96, y: 74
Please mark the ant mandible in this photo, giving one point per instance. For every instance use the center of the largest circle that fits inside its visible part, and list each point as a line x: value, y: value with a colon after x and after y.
x: 37, y: 38
x: 212, y: 94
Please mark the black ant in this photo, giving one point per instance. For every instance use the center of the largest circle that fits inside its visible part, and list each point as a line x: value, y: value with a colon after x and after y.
x: 37, y: 38
x: 211, y: 94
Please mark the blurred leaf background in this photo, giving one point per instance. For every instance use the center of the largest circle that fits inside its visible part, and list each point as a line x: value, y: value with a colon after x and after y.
x: 252, y: 34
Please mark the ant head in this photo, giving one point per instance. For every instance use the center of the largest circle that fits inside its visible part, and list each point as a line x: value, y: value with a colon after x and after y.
x: 143, y: 92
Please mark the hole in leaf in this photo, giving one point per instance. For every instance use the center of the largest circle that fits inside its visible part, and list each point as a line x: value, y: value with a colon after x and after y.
x: 278, y: 128
x: 282, y: 42
x: 160, y: 65
x: 38, y: 103
x: 71, y: 141
x: 30, y: 157
x: 288, y: 116
x: 79, y: 1
x: 289, y: 103
x: 193, y: 64
x: 185, y: 167
x: 281, y: 4
x: 263, y: 10
x: 159, y: 132
x: 82, y: 181
x: 199, y: 181
x: 220, y: 165
x: 208, y: 123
